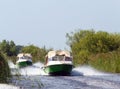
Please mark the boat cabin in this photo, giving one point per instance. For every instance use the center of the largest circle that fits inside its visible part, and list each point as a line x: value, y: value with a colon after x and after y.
x: 58, y: 56
x: 24, y: 56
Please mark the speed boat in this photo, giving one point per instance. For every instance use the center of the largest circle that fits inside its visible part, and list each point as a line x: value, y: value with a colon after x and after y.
x: 58, y: 63
x: 24, y: 59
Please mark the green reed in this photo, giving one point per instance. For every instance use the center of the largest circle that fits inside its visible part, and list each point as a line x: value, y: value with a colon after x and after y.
x: 4, y: 70
x: 108, y: 62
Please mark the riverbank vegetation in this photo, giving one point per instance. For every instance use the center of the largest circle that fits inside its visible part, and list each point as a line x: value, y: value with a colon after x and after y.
x: 4, y: 70
x: 98, y: 49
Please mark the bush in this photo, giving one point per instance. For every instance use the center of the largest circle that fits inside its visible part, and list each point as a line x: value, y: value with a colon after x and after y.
x: 108, y: 62
x: 4, y: 70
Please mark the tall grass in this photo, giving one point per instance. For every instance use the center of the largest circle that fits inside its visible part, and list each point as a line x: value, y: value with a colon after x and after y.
x: 4, y: 70
x: 108, y: 62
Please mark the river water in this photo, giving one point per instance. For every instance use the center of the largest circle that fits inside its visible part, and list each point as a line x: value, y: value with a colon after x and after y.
x: 82, y: 77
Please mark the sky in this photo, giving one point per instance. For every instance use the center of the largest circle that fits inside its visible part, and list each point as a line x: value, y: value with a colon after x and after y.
x: 46, y: 22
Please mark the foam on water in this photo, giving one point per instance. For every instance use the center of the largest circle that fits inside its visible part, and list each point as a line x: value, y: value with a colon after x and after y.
x: 33, y: 70
x: 36, y: 69
x: 7, y: 86
x: 86, y: 71
x: 11, y: 64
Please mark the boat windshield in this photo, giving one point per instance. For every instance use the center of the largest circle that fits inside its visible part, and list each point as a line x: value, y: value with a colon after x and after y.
x: 61, y: 58
x: 25, y: 57
x: 68, y: 59
x: 58, y: 58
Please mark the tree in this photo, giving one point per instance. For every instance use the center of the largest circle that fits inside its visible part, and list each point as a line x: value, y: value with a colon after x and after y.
x: 86, y: 42
x: 13, y: 50
x: 8, y: 48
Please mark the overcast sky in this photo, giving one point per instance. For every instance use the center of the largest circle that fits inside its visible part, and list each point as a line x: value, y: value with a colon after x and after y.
x: 46, y: 22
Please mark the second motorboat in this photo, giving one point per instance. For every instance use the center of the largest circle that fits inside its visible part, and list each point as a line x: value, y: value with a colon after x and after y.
x: 24, y: 59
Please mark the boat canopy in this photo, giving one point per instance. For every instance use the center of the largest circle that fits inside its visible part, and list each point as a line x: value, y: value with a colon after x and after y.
x: 24, y: 54
x: 59, y: 52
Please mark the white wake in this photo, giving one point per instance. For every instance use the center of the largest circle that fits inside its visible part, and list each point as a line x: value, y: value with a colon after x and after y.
x: 86, y: 70
x: 36, y: 69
